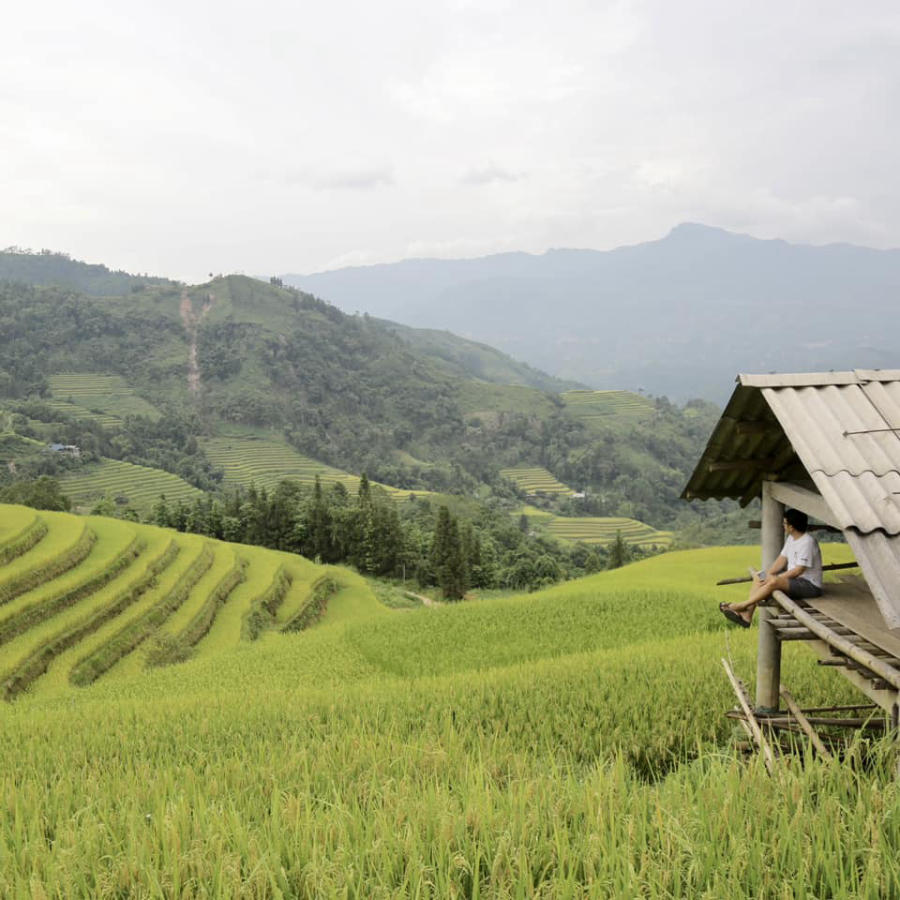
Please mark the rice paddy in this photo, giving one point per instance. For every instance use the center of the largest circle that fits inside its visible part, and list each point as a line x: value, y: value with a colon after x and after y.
x: 103, y: 398
x: 603, y: 407
x: 568, y: 743
x: 251, y: 460
x: 536, y: 480
x: 74, y: 610
x: 603, y: 530
x: 127, y: 484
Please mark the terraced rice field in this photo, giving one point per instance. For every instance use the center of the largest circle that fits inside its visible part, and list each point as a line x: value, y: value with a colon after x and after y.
x: 107, y: 398
x: 534, y: 515
x: 567, y: 743
x: 83, y: 414
x: 535, y: 480
x: 597, y: 530
x: 249, y: 460
x: 137, y: 486
x: 602, y: 407
x: 94, y: 598
x: 264, y: 463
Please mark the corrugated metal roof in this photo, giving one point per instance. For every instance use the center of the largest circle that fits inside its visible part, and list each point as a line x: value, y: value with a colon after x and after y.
x: 836, y: 431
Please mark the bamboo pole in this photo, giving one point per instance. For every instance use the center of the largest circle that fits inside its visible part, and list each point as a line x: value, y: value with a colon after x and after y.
x: 829, y: 721
x: 768, y: 758
x: 747, y: 578
x: 821, y: 749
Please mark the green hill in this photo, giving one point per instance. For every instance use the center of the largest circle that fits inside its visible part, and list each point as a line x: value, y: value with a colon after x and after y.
x: 156, y: 375
x: 469, y: 359
x: 58, y: 269
x: 566, y: 743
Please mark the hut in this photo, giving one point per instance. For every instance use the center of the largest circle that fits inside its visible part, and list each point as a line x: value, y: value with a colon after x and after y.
x: 827, y: 444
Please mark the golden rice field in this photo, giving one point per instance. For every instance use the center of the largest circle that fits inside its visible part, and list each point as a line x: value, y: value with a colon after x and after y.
x: 104, y: 398
x: 87, y: 597
x: 601, y: 407
x: 568, y: 743
x: 595, y: 529
x: 137, y: 486
x: 603, y: 530
x: 251, y: 460
x: 535, y: 480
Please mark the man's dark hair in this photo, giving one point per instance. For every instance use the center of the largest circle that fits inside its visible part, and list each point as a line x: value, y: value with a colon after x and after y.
x: 796, y: 519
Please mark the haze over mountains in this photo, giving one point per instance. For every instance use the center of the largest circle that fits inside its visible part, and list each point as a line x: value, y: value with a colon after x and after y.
x: 679, y: 316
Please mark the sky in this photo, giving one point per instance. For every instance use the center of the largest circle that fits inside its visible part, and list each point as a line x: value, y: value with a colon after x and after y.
x: 187, y: 138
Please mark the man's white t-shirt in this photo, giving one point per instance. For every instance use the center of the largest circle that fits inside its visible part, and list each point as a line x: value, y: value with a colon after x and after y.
x: 804, y: 551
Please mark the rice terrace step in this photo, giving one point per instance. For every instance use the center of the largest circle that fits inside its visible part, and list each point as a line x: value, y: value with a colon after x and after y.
x: 106, y: 399
x: 94, y: 597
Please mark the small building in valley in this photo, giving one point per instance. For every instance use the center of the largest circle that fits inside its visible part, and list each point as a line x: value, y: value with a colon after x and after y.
x: 827, y: 444
x: 65, y: 449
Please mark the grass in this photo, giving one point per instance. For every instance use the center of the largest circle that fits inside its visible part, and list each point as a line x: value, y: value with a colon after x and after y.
x: 535, y: 480
x: 568, y: 743
x: 136, y: 486
x: 104, y: 398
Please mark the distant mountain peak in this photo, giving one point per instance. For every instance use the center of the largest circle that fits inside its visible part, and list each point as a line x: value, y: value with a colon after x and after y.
x: 697, y: 230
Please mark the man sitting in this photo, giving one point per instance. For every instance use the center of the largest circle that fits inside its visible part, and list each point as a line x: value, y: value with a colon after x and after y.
x: 797, y: 571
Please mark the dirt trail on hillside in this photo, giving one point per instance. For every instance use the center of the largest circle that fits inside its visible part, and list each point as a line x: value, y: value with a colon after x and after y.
x: 191, y: 322
x: 426, y: 601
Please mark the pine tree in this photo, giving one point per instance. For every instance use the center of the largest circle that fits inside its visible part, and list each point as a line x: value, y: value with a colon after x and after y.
x: 317, y: 543
x: 160, y: 514
x: 619, y: 552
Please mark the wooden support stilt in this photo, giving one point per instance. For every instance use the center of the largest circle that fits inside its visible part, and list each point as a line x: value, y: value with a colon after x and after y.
x: 768, y: 656
x: 821, y: 749
x: 752, y: 722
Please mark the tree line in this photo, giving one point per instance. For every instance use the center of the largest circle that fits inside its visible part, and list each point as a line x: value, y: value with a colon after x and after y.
x: 413, y: 539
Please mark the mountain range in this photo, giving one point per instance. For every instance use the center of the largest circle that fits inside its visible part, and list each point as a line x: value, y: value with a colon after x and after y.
x: 678, y: 316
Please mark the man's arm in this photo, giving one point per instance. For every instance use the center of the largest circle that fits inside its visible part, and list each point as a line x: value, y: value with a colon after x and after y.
x: 774, y: 569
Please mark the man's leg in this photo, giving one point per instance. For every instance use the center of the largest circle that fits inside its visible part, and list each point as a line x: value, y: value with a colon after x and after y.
x: 759, y: 591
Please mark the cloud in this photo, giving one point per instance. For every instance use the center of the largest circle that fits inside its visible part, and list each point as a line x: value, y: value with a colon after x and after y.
x: 488, y: 174
x: 354, y: 179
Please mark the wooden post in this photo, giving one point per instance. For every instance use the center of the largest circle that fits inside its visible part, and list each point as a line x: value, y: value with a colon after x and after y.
x: 768, y: 656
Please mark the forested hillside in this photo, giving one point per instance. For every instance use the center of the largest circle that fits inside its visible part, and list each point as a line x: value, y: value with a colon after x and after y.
x: 168, y: 370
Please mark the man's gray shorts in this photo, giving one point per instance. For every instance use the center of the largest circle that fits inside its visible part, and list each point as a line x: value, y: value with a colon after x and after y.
x: 802, y: 589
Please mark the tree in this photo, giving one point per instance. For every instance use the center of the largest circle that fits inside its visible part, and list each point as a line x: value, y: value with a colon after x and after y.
x: 447, y: 562
x: 42, y: 493
x: 619, y: 553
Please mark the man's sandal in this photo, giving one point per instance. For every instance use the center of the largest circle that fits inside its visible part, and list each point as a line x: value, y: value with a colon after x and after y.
x: 732, y: 616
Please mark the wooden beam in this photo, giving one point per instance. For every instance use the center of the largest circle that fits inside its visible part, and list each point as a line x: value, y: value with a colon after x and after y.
x: 740, y: 465
x: 747, y: 578
x: 755, y: 427
x: 751, y: 719
x: 821, y: 749
x: 796, y: 497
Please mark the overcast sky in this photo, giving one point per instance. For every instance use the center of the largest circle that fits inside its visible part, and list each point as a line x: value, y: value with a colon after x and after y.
x: 194, y: 137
